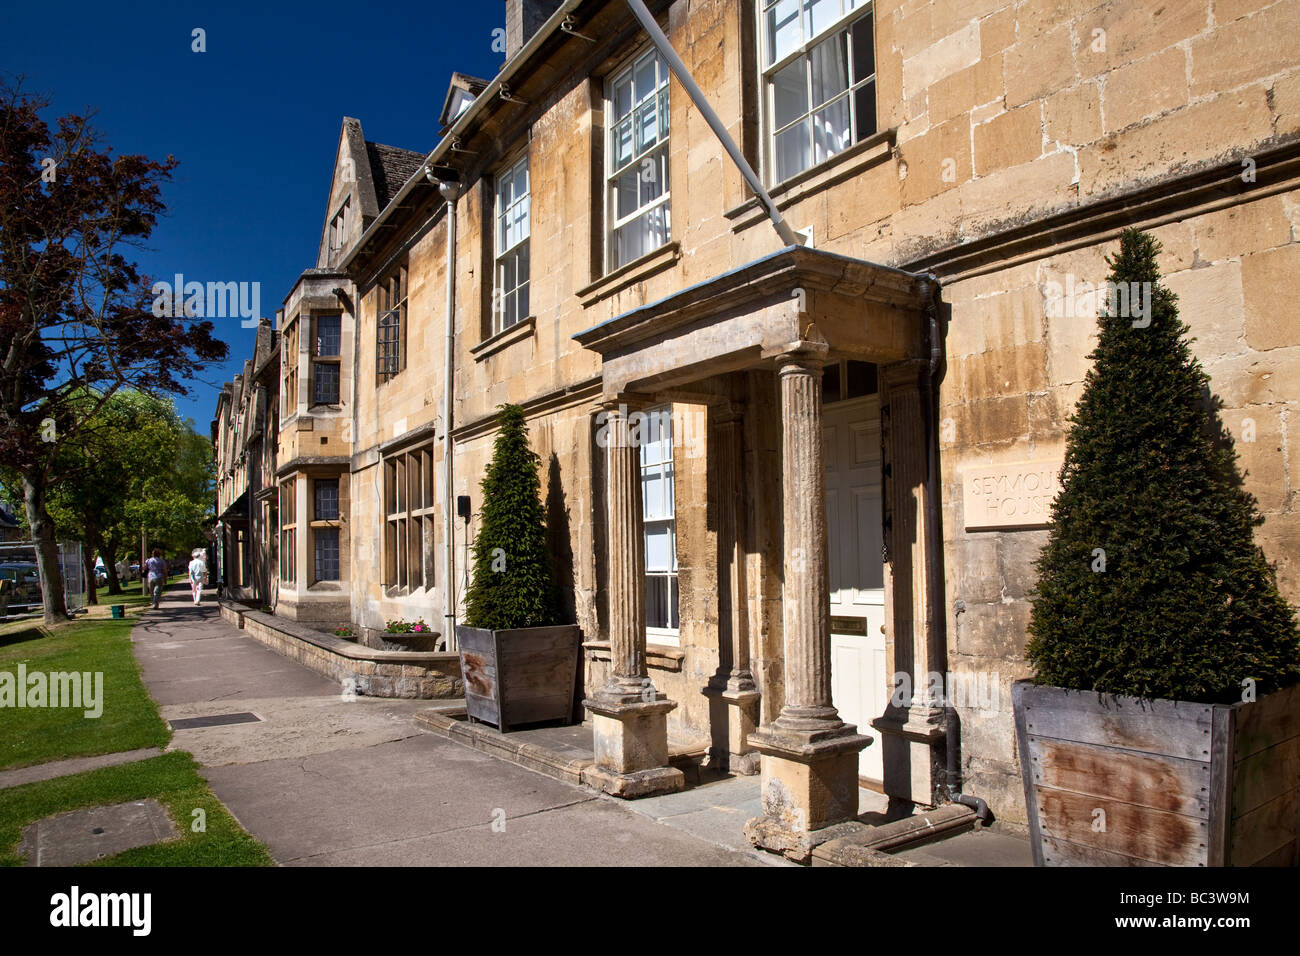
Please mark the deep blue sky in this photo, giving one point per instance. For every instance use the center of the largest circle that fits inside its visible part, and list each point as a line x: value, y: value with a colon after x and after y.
x: 254, y: 120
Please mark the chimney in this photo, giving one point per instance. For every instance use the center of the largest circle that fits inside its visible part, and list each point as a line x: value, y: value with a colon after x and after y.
x: 523, y: 19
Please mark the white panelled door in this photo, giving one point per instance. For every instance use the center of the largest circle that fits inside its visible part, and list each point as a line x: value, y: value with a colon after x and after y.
x: 859, y: 684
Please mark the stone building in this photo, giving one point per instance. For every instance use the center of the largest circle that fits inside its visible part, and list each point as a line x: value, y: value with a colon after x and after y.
x: 245, y: 435
x: 779, y: 474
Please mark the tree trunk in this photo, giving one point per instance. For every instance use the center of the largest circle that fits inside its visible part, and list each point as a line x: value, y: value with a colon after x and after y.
x: 109, y: 551
x: 47, y: 550
x: 88, y: 561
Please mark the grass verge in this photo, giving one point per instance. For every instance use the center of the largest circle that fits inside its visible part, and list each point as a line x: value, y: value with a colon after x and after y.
x: 172, y: 779
x: 128, y: 720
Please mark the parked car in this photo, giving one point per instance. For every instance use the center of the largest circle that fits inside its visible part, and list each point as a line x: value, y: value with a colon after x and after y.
x: 26, y: 582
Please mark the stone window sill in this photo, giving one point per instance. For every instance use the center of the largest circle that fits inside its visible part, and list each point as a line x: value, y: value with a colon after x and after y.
x: 872, y: 150
x: 624, y: 276
x: 523, y: 329
x: 659, y: 656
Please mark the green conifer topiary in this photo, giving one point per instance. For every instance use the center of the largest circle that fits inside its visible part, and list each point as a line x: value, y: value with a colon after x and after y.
x: 1151, y: 583
x: 512, y: 584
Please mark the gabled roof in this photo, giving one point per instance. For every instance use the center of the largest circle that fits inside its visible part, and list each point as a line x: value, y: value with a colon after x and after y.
x: 459, y: 81
x: 390, y: 168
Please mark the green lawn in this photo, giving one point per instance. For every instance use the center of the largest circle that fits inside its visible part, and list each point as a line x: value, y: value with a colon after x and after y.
x: 172, y: 779
x: 95, y: 642
x: 128, y: 720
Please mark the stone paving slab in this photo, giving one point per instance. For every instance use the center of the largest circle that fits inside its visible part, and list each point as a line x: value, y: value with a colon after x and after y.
x: 95, y: 832
x: 426, y: 801
x: 976, y: 848
x: 291, y: 727
x: 63, y: 768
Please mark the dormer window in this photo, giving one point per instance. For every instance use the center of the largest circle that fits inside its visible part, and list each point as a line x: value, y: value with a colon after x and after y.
x: 460, y: 101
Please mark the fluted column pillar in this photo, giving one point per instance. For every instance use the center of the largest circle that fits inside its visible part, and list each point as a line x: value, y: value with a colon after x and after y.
x: 912, y: 731
x: 625, y: 534
x: 806, y: 609
x: 628, y: 715
x: 809, y: 755
x: 733, y: 688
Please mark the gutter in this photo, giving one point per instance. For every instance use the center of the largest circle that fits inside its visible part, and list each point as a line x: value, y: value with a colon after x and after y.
x: 490, y: 94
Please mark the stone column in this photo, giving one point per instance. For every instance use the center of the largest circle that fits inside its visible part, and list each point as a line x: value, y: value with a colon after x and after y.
x: 809, y: 755
x: 629, y: 717
x: 912, y: 735
x: 733, y: 687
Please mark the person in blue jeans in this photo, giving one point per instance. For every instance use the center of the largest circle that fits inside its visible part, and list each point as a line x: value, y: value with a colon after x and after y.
x: 156, y: 572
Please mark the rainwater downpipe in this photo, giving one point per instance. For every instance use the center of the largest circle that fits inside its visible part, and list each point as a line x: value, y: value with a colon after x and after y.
x: 448, y: 183
x: 934, y: 544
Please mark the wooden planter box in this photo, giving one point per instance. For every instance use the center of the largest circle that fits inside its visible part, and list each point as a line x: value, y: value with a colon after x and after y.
x: 1179, y: 784
x: 519, y: 676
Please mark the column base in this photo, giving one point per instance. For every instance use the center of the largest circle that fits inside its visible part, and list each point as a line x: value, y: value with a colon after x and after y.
x: 638, y: 783
x: 631, y: 748
x: 737, y: 711
x: 771, y: 835
x: 810, y: 785
x: 913, y: 753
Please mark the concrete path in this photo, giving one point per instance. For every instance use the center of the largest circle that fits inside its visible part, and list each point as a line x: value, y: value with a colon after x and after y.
x: 63, y: 768
x: 325, y: 781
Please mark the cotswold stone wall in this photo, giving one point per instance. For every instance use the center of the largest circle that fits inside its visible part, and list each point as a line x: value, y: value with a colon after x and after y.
x: 369, y: 672
x: 1016, y: 364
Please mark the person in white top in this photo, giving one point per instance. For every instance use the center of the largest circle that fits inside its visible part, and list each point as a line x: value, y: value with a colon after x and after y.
x: 198, y: 571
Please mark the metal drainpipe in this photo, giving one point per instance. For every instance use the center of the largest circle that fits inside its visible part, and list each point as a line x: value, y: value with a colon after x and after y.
x: 952, y: 722
x: 450, y: 191
x: 638, y: 8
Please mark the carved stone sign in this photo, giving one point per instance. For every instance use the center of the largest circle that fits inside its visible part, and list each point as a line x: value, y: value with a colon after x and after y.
x: 1017, y: 495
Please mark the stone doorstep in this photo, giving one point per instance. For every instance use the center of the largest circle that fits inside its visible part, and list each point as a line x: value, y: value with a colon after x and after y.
x: 449, y: 720
x: 872, y: 845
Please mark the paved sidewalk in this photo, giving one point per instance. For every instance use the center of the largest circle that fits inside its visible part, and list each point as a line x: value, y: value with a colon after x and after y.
x: 63, y: 768
x: 325, y: 781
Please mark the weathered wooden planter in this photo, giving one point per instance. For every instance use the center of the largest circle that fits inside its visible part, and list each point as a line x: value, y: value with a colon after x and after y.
x: 1122, y: 781
x: 519, y: 676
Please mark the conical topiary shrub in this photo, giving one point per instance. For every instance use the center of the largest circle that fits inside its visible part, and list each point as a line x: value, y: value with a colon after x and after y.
x: 1151, y: 583
x: 512, y: 584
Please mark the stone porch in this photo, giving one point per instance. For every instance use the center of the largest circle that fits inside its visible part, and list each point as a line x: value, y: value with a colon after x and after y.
x: 750, y: 345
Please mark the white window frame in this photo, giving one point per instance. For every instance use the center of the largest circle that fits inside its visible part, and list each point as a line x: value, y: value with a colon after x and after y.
x: 656, y: 458
x: 662, y: 142
x: 500, y: 293
x: 850, y: 12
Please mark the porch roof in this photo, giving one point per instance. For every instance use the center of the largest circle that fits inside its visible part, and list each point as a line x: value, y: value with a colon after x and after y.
x: 743, y: 317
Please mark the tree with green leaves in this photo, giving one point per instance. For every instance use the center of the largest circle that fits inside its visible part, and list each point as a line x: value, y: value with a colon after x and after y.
x: 134, y: 465
x: 1151, y: 583
x: 76, y: 314
x: 512, y: 583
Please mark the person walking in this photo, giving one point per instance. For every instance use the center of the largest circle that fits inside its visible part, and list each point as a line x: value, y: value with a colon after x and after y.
x: 198, y: 571
x: 156, y: 572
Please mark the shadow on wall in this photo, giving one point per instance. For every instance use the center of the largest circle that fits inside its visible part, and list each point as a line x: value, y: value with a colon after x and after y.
x: 561, y: 549
x: 558, y: 543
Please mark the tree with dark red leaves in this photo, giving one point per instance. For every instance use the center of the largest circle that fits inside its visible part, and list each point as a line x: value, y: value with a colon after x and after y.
x: 75, y: 312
